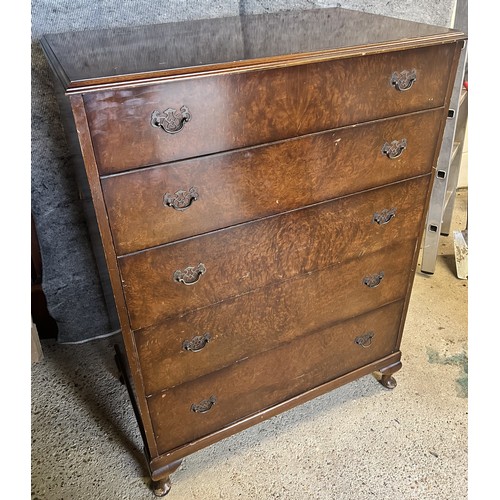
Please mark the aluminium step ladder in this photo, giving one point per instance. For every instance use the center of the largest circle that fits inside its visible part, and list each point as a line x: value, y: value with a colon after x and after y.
x: 444, y: 190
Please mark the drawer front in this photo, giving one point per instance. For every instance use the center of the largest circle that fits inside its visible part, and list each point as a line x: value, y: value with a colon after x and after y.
x: 152, y: 124
x: 241, y: 327
x: 221, y: 398
x: 197, y: 272
x: 167, y: 203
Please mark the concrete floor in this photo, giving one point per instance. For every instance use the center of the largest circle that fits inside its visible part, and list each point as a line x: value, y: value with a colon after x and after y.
x: 358, y: 442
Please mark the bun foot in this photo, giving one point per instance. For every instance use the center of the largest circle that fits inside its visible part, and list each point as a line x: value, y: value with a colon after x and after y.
x: 385, y: 376
x: 162, y: 487
x: 388, y: 381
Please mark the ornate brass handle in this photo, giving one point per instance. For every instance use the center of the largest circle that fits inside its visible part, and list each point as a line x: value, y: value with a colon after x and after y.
x: 197, y: 343
x: 404, y: 81
x: 364, y: 340
x: 181, y: 200
x: 384, y: 217
x: 171, y: 121
x: 190, y: 275
x: 204, y: 406
x: 394, y: 149
x: 372, y: 281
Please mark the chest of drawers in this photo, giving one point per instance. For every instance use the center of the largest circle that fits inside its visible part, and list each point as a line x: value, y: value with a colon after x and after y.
x: 256, y: 190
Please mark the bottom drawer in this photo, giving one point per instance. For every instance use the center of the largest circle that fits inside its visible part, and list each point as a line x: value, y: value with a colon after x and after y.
x: 195, y: 409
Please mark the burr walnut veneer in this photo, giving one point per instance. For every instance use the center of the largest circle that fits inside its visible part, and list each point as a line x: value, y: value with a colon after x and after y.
x: 256, y: 189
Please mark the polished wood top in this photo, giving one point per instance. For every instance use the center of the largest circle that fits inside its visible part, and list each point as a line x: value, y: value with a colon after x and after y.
x: 89, y: 59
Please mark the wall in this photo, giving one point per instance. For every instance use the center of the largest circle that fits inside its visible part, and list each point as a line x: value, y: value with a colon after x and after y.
x: 71, y: 283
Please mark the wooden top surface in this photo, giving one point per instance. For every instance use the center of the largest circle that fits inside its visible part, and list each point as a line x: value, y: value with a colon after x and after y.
x: 86, y: 60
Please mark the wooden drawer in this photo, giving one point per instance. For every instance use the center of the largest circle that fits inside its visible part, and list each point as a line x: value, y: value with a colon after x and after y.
x: 231, y: 188
x: 230, y: 262
x: 243, y: 109
x: 286, y: 311
x: 256, y: 383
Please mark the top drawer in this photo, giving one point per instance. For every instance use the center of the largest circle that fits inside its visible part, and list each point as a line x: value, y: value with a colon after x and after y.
x: 141, y: 126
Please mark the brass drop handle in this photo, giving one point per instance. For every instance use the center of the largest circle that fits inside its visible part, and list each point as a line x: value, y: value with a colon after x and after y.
x: 196, y: 344
x: 384, y: 216
x: 171, y: 120
x: 204, y: 406
x: 373, y: 280
x: 404, y: 80
x: 190, y: 275
x: 394, y: 149
x: 364, y: 340
x: 181, y: 200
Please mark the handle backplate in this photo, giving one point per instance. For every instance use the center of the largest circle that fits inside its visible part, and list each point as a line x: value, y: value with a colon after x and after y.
x: 171, y: 120
x: 197, y: 343
x: 373, y: 280
x: 204, y: 406
x: 364, y: 340
x: 394, y: 149
x: 190, y: 275
x: 181, y: 200
x: 404, y: 80
x: 384, y: 216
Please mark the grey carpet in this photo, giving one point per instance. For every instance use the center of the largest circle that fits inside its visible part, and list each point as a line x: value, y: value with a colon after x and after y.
x: 71, y: 282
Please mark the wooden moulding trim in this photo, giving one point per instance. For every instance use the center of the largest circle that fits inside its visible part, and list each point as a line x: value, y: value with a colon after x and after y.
x: 160, y: 465
x: 83, y: 131
x: 460, y: 45
x: 145, y: 78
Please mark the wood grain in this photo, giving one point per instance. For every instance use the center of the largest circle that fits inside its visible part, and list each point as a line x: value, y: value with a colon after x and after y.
x: 252, y: 183
x: 303, y: 364
x: 249, y: 256
x: 267, y: 317
x: 250, y: 108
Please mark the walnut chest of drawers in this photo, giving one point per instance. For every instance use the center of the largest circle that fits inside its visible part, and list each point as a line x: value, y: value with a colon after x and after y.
x: 257, y: 188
